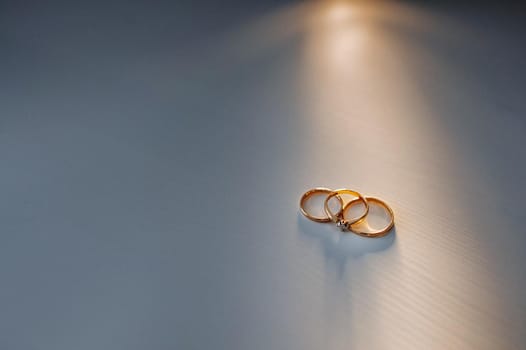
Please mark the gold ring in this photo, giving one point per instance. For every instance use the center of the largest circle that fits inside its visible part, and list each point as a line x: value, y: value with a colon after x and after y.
x: 311, y: 192
x: 373, y: 234
x: 342, y: 223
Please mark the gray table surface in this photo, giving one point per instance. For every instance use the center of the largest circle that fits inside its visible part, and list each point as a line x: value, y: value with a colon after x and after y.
x: 153, y: 155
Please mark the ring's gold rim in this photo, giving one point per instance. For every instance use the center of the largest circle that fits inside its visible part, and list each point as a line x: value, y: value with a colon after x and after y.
x: 336, y: 217
x: 373, y: 234
x: 309, y: 194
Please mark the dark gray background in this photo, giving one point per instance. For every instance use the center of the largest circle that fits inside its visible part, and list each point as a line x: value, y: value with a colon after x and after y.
x: 153, y: 154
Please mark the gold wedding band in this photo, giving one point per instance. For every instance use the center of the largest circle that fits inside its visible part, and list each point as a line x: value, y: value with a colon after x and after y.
x: 374, y: 234
x: 341, y: 222
x: 339, y: 217
x: 312, y: 192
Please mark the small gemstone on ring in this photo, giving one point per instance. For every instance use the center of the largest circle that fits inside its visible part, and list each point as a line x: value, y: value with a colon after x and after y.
x: 342, y: 225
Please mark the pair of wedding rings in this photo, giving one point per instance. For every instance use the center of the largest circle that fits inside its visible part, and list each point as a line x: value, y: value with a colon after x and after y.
x: 339, y: 217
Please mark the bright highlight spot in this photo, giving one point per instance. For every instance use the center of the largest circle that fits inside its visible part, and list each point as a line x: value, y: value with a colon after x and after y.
x: 339, y: 12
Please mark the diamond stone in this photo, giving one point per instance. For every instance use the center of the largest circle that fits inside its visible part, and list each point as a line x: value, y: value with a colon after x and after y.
x: 342, y: 225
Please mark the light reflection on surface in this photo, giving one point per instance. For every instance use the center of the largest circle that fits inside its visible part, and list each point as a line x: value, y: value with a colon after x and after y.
x: 365, y: 100
x: 370, y: 124
x: 339, y: 12
x: 153, y: 165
